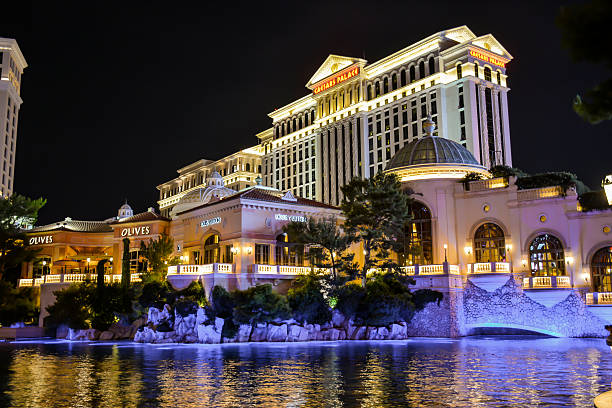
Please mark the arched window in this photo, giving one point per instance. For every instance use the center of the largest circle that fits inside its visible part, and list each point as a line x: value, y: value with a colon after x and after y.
x: 418, y: 243
x: 489, y: 243
x: 385, y: 85
x: 476, y: 67
x: 377, y: 88
x: 312, y: 116
x: 498, y: 78
x: 294, y: 127
x: 421, y: 69
x: 369, y: 92
x: 432, y: 65
x: 459, y: 71
x: 341, y: 100
x: 288, y: 253
x: 394, y: 81
x: 306, y: 119
x: 301, y: 122
x: 211, y: 249
x: 248, y: 167
x: 601, y: 270
x: 546, y: 256
x: 412, y: 74
x: 487, y: 74
x: 403, y: 77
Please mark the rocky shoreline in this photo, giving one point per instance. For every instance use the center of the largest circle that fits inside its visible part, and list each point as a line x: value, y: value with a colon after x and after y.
x: 162, y: 326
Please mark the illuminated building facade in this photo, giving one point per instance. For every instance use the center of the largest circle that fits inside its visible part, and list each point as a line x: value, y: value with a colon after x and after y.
x: 12, y: 64
x: 358, y: 115
x: 239, y: 170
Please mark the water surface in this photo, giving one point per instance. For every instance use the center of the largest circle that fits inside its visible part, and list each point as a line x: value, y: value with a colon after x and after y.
x: 470, y: 372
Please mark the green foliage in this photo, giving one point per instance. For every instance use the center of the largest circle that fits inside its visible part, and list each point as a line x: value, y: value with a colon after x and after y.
x: 154, y: 294
x: 18, y: 305
x: 222, y: 302
x: 16, y: 213
x: 158, y: 254
x: 194, y: 292
x: 230, y: 329
x: 422, y: 297
x: 186, y: 307
x: 584, y: 33
x: 83, y: 305
x: 560, y: 178
x: 259, y: 304
x: 328, y: 244
x: 593, y: 200
x: 349, y: 297
x: 505, y: 171
x: 376, y: 211
x: 307, y: 301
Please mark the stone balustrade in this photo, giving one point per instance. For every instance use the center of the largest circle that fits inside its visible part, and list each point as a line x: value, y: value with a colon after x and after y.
x: 285, y: 269
x: 74, y: 278
x: 599, y: 298
x: 481, y: 185
x: 539, y: 193
x: 200, y: 269
x: 488, y: 267
x: 547, y: 282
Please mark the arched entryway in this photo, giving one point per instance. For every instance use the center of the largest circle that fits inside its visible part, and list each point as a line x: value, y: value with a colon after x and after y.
x: 546, y: 256
x: 212, y: 251
x: 489, y: 243
x: 418, y: 241
x: 601, y: 270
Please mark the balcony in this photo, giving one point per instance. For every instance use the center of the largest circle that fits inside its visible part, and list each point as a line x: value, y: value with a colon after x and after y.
x: 488, y: 267
x: 285, y: 269
x: 539, y: 193
x: 599, y: 298
x: 437, y: 269
x: 482, y: 185
x: 200, y: 269
x: 547, y: 282
x: 74, y: 278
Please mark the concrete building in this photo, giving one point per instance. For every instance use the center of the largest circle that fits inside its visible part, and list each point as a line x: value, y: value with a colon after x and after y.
x: 12, y: 64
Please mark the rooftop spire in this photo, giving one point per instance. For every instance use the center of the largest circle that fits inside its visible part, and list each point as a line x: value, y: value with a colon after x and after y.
x: 429, y: 126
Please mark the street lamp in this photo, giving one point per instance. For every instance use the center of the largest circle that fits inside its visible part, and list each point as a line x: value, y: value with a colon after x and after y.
x: 445, y: 258
x: 88, y: 260
x: 607, y: 186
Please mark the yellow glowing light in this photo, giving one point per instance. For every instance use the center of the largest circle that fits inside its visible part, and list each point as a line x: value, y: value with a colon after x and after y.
x: 468, y: 250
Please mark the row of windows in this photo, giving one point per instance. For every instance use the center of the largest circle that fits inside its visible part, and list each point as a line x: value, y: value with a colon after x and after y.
x: 295, y: 123
x: 340, y: 99
x: 390, y: 83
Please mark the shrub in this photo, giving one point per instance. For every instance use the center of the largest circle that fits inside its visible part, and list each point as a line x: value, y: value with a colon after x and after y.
x: 560, y: 178
x: 259, y: 304
x: 593, y: 200
x: 72, y: 307
x: 505, y: 171
x: 186, y: 307
x: 230, y: 329
x: 422, y: 297
x: 194, y: 292
x: 154, y: 294
x: 222, y: 302
x: 18, y: 305
x: 387, y: 300
x: 307, y: 302
x: 349, y: 296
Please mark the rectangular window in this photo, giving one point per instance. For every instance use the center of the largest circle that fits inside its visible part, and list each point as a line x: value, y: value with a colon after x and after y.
x: 262, y: 254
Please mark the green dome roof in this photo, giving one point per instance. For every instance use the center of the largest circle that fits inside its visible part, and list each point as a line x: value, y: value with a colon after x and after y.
x: 431, y: 150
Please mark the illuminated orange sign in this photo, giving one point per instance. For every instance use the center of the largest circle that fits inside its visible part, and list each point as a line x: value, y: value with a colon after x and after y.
x: 336, y: 79
x: 487, y: 58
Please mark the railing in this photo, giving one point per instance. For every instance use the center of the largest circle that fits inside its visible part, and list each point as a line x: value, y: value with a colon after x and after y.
x: 599, y: 298
x: 539, y: 193
x: 547, y: 282
x: 488, y: 267
x: 480, y: 185
x: 200, y: 269
x: 74, y: 278
x: 285, y: 269
x: 436, y: 269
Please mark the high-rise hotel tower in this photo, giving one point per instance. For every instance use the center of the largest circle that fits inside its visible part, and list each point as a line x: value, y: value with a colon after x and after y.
x: 358, y: 114
x: 12, y: 64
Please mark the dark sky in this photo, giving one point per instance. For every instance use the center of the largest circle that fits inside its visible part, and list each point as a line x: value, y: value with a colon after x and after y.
x: 117, y: 96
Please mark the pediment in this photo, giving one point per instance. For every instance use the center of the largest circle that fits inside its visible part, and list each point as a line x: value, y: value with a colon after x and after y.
x: 333, y: 64
x: 490, y: 43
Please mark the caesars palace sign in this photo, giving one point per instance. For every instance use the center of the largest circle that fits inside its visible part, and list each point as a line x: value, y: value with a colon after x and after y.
x: 340, y: 77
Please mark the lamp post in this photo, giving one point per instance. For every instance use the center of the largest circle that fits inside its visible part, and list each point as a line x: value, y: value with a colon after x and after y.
x: 43, y: 268
x: 445, y: 258
x: 607, y: 186
x: 88, y: 260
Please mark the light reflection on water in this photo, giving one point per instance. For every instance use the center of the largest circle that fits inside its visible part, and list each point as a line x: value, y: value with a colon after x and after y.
x: 471, y: 372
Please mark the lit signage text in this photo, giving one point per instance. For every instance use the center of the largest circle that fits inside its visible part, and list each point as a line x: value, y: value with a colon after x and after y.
x: 45, y: 239
x: 487, y: 58
x: 130, y: 232
x: 336, y: 79
x: 285, y: 217
x: 212, y: 221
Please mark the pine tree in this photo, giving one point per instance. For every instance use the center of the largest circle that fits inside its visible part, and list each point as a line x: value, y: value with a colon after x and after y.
x: 125, y: 265
x: 376, y: 211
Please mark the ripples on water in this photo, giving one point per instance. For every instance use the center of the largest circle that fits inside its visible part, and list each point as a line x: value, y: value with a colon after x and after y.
x: 471, y: 372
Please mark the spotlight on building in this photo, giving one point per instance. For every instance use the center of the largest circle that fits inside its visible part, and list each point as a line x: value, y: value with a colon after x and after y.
x: 607, y: 186
x: 468, y: 250
x: 569, y: 260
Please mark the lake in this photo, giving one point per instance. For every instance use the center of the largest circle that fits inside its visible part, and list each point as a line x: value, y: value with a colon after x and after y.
x: 484, y: 371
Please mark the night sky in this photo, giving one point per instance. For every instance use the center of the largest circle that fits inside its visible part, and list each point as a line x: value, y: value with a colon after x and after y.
x: 118, y: 97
